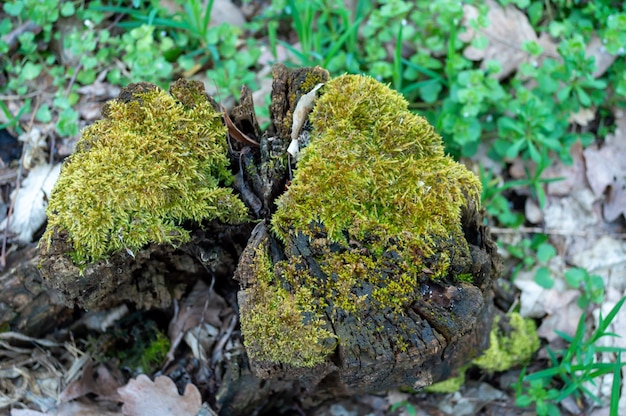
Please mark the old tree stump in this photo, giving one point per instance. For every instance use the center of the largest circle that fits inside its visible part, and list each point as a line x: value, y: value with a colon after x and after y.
x: 362, y: 260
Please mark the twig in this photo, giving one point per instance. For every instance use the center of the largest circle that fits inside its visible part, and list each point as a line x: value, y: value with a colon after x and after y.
x: 566, y: 233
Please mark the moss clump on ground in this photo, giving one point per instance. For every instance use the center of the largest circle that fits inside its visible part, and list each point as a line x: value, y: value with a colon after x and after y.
x: 516, y: 348
x: 450, y: 385
x: 513, y: 349
x: 154, y: 161
x: 379, y: 204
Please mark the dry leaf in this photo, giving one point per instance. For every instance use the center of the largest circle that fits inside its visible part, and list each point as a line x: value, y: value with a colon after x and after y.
x: 606, y: 170
x: 572, y: 213
x: 142, y: 397
x: 201, y: 305
x: 86, y: 408
x: 508, y: 30
x: 583, y: 116
x: 99, y: 381
x: 29, y: 211
x: 603, y: 59
x: 301, y: 112
x: 564, y: 320
x: 35, y: 147
x: 606, y: 257
x: 573, y: 175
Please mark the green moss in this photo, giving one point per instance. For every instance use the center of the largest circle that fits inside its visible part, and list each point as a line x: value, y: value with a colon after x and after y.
x: 374, y: 168
x: 512, y: 350
x: 282, y: 326
x: 154, y: 161
x: 374, y: 185
x: 451, y: 385
x: 376, y: 173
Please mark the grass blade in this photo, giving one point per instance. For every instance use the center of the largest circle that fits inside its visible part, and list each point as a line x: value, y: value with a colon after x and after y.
x: 615, y: 387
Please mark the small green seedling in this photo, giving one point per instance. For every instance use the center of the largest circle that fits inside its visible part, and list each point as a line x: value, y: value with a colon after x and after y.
x: 592, y: 286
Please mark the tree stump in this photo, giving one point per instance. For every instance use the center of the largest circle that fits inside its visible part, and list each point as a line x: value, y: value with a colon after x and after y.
x: 350, y: 288
x: 364, y: 264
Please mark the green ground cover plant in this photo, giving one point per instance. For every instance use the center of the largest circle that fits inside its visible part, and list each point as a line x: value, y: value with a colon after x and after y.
x: 573, y: 368
x: 415, y: 46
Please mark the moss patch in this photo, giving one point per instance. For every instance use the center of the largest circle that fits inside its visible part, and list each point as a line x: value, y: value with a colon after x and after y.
x: 516, y: 348
x: 451, y: 385
x: 282, y: 326
x: 375, y: 203
x: 154, y: 161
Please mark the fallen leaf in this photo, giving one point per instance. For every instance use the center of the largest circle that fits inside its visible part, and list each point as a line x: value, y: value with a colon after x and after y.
x: 508, y: 30
x: 583, y: 116
x: 35, y: 147
x: 532, y: 211
x: 77, y: 408
x: 603, y: 59
x: 573, y: 213
x: 606, y: 169
x: 564, y: 315
x: 202, y: 304
x: 143, y: 397
x: 300, y: 114
x: 96, y: 380
x: 29, y: 212
x: 573, y: 176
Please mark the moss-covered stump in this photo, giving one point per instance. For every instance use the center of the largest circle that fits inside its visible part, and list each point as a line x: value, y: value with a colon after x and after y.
x: 375, y: 269
x: 122, y: 214
x: 368, y: 268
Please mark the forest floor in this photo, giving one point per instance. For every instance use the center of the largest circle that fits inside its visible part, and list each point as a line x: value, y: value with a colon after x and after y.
x: 566, y: 261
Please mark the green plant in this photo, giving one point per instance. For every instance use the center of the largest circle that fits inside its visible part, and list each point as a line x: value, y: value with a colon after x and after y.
x: 572, y: 368
x: 592, y: 286
x: 405, y: 405
x: 531, y: 252
x: 188, y: 42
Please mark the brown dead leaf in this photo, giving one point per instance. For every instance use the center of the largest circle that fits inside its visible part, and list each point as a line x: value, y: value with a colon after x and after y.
x: 96, y: 380
x: 143, y: 397
x: 606, y: 170
x: 508, y: 30
x: 201, y: 305
x: 85, y: 408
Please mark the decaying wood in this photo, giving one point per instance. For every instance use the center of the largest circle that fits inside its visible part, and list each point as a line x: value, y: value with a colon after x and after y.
x: 26, y: 305
x: 446, y: 328
x: 147, y: 278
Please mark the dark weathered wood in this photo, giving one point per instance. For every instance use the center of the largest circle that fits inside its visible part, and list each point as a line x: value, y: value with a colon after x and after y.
x: 26, y: 305
x: 148, y: 278
x: 445, y: 328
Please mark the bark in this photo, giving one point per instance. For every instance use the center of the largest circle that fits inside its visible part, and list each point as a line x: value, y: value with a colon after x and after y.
x: 26, y: 305
x: 445, y: 328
